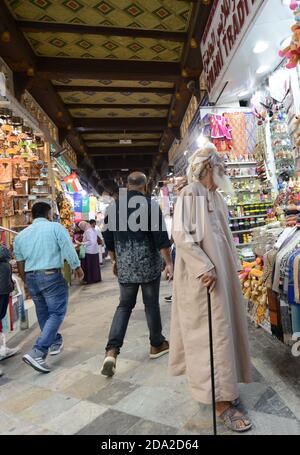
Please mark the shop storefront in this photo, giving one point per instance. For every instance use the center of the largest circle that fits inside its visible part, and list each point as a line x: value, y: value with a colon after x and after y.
x: 25, y: 170
x: 260, y: 144
x: 251, y: 115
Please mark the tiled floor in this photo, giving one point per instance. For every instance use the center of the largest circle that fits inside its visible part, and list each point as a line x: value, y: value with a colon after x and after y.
x: 141, y: 399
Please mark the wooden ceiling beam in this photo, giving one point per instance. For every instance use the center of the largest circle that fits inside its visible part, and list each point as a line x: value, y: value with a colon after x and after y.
x: 127, y: 70
x: 85, y: 125
x: 131, y: 131
x: 116, y: 141
x: 98, y: 89
x: 117, y: 164
x: 19, y: 56
x: 37, y: 27
x: 117, y: 106
x: 136, y: 151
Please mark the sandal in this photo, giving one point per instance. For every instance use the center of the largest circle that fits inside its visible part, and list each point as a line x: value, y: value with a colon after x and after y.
x: 231, y: 419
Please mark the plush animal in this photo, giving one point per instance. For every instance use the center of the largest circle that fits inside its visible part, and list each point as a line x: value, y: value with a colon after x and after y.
x: 292, y: 52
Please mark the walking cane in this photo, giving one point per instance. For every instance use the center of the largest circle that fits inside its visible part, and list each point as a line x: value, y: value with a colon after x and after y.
x: 212, y: 369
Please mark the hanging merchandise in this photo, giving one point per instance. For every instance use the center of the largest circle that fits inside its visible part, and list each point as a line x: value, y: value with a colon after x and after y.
x: 237, y: 120
x: 282, y: 145
x: 65, y: 212
x: 86, y: 205
x: 292, y: 51
x: 23, y: 170
x: 73, y: 184
x: 221, y: 133
x: 296, y: 133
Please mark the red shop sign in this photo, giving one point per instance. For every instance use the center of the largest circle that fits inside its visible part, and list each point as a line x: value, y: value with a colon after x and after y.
x: 227, y: 25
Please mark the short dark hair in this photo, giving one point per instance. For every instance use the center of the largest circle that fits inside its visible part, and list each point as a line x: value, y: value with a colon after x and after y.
x: 41, y: 210
x: 110, y: 187
x: 137, y: 180
x: 92, y: 222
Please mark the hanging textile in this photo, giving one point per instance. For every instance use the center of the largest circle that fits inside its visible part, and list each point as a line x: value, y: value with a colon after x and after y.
x: 237, y: 122
x: 251, y: 128
x: 221, y: 133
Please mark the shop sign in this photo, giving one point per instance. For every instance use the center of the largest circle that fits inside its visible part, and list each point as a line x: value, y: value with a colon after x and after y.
x: 226, y: 27
x: 188, y: 116
x: 64, y: 165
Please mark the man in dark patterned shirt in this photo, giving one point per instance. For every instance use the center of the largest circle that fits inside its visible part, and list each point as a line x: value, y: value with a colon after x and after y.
x: 137, y: 240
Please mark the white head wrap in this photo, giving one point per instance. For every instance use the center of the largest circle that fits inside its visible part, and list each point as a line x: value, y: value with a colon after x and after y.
x: 198, y: 160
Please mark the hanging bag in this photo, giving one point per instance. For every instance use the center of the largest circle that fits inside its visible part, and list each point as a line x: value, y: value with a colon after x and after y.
x: 82, y: 252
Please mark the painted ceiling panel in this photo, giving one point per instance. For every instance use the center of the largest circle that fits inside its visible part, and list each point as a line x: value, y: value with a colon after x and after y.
x: 75, y: 45
x: 103, y: 83
x: 115, y: 98
x: 166, y: 15
x: 111, y: 112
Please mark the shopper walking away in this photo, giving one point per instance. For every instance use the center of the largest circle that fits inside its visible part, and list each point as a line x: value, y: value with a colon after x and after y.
x: 6, y: 288
x: 136, y: 252
x: 90, y: 263
x: 206, y: 259
x: 40, y: 251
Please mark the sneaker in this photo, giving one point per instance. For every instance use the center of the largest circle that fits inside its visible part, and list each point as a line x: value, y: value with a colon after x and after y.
x: 168, y: 299
x: 36, y: 361
x: 163, y: 349
x: 5, y: 352
x: 56, y: 348
x: 109, y: 364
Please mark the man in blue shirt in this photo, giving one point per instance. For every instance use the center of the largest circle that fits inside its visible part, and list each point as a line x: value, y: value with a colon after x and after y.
x: 40, y: 252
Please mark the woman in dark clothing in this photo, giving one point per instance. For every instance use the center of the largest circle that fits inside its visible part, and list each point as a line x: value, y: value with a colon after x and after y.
x: 90, y: 263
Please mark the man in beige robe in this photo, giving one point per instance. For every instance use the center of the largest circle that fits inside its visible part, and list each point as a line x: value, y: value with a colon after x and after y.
x: 206, y: 258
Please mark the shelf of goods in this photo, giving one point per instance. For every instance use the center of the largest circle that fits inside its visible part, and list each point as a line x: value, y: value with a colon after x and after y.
x: 246, y: 216
x: 24, y: 178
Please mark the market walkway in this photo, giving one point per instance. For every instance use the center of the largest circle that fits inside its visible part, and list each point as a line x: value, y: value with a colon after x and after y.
x: 141, y: 398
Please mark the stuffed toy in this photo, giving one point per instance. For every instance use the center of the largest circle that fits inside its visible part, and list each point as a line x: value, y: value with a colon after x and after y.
x: 251, y: 279
x: 292, y: 52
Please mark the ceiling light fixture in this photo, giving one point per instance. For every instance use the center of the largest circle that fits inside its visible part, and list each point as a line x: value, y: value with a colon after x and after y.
x: 202, y: 141
x: 262, y: 69
x: 243, y: 93
x: 260, y: 47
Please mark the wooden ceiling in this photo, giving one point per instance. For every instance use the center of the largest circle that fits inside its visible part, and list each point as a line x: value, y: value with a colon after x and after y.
x: 107, y: 71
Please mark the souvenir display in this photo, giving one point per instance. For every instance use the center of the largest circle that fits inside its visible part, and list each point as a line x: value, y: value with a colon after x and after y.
x: 23, y: 174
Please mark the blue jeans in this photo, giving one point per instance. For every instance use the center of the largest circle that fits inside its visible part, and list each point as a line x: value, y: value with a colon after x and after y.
x: 50, y: 296
x: 128, y: 295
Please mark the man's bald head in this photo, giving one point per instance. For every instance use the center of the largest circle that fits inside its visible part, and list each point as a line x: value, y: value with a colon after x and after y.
x: 137, y: 181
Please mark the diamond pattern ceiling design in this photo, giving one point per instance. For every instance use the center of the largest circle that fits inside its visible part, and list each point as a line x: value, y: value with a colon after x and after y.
x: 112, y: 113
x: 115, y: 83
x: 157, y: 15
x: 118, y: 136
x: 117, y: 98
x: 74, y: 45
x: 166, y: 15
